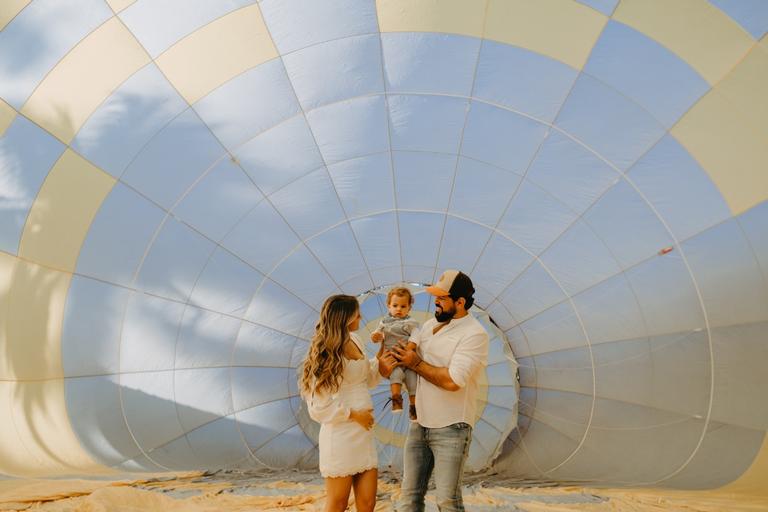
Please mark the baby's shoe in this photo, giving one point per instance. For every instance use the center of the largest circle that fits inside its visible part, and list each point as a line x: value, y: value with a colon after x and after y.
x: 397, y: 404
x: 412, y: 412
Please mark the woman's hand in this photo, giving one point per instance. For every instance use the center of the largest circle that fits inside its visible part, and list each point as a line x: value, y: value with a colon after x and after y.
x: 363, y: 417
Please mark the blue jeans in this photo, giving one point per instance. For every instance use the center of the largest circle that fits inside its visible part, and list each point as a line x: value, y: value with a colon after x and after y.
x: 442, y: 449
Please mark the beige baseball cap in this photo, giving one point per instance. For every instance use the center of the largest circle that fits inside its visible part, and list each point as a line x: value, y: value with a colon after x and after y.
x: 454, y: 283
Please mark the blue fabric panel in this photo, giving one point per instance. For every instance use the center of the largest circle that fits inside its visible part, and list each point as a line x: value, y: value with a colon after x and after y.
x: 429, y: 62
x: 555, y: 329
x: 753, y: 223
x: 336, y: 70
x: 523, y: 80
x: 501, y: 137
x: 364, y: 184
x: 426, y: 123
x: 225, y: 285
x: 205, y: 339
x: 531, y: 293
x: 420, y: 235
x: 27, y: 154
x: 610, y: 311
x: 379, y: 240
x: 174, y: 261
x: 303, y: 275
x: 500, y: 263
x: 338, y: 252
x: 481, y: 191
x: 120, y: 127
x: 149, y: 333
x: 309, y: 204
x: 462, y: 243
x: 118, y: 237
x: 273, y: 306
x: 174, y: 158
x: 201, y: 395
x: 261, y: 346
x: 423, y: 180
x: 615, y: 127
x: 604, y: 6
x: 750, y: 14
x: 301, y: 23
x: 645, y: 71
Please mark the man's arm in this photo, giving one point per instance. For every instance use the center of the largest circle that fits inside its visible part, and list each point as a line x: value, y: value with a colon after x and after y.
x: 438, y: 376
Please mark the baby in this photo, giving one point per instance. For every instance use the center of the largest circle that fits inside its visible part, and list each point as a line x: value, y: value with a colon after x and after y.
x: 396, y: 327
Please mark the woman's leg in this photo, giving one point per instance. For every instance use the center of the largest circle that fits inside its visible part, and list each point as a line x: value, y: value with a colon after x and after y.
x: 365, y: 489
x: 337, y: 493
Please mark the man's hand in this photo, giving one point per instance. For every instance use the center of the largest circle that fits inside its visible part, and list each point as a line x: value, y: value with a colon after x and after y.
x: 363, y: 417
x: 387, y: 363
x: 377, y: 336
x: 408, y: 357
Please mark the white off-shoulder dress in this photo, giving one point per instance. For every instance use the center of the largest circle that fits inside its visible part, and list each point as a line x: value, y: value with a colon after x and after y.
x: 346, y: 448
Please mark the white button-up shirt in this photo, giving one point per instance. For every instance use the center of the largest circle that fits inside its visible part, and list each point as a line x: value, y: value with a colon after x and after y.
x: 462, y: 347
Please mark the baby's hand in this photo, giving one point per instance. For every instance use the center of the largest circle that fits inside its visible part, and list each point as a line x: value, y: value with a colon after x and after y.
x: 377, y: 336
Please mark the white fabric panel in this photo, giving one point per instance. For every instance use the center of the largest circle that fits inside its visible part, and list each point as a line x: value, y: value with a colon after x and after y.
x: 351, y: 128
x: 219, y: 443
x: 300, y: 23
x: 364, y: 184
x: 500, y: 263
x: 501, y: 137
x: 149, y: 333
x: 481, y: 191
x: 219, y: 200
x: 336, y: 70
x: 261, y: 346
x: 518, y: 343
x: 225, y: 285
x: 610, y: 311
x: 148, y: 401
x: 280, y: 155
x: 725, y: 268
x: 158, y: 25
x: 462, y: 243
x: 262, y: 238
x: 522, y: 80
x: 571, y: 173
x: 426, y: 123
x: 626, y: 224
x: 128, y: 119
x: 666, y: 295
x: 118, y: 236
x: 38, y: 37
x: 579, y: 259
x: 429, y: 62
x: 567, y: 370
x: 205, y: 339
x: 534, y: 219
x: 309, y: 204
x: 419, y: 274
x: 532, y: 292
x: 174, y: 261
x: 501, y: 316
x: 301, y: 274
x: 137, y: 464
x: 554, y: 329
x: 357, y: 284
x: 172, y: 161
x: 339, y: 254
x: 387, y: 275
x: 423, y: 180
x: 379, y: 240
x: 420, y: 236
x: 235, y: 114
x: 27, y: 153
x: 679, y: 189
x: 753, y: 223
x: 202, y: 395
x: 286, y: 450
x: 93, y: 404
x: 275, y: 307
x: 253, y: 386
x: 90, y: 336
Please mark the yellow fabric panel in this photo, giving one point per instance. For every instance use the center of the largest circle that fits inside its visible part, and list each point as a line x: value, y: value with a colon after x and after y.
x: 7, y: 115
x: 745, y: 87
x: 62, y: 213
x: 36, y: 437
x: 119, y: 5
x: 7, y: 267
x: 84, y: 78
x: 224, y: 49
x: 732, y: 150
x: 698, y: 32
x: 448, y: 16
x: 562, y: 29
x: 9, y: 9
x: 33, y: 323
x: 754, y: 479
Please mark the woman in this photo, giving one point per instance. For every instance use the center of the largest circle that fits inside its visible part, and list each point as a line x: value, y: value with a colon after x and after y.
x: 334, y: 381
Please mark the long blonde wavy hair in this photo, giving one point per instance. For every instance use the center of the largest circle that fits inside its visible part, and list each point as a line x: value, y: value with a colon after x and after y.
x: 324, y: 363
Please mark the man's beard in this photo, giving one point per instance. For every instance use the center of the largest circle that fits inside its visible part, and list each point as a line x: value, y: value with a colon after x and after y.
x: 444, y: 315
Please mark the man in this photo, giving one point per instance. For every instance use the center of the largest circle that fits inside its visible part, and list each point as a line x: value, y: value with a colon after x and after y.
x: 452, y: 354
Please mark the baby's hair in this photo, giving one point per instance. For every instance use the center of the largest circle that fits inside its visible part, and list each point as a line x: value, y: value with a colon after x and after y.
x: 400, y: 291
